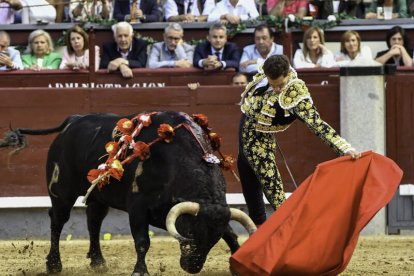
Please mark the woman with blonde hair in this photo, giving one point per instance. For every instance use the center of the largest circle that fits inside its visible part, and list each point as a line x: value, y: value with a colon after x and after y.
x: 39, y: 53
x: 351, y: 49
x: 314, y: 53
x: 76, y: 51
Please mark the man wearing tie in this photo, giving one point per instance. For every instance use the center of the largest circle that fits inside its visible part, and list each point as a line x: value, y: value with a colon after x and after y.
x: 217, y: 53
x: 136, y: 11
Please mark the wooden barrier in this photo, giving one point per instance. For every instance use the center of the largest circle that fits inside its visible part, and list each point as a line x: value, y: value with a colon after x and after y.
x: 43, y: 108
x: 143, y: 77
x: 24, y: 173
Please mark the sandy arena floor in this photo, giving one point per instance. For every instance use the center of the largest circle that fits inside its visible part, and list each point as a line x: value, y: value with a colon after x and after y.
x: 384, y: 255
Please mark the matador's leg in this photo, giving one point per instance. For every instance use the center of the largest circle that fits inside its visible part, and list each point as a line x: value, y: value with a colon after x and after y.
x: 271, y: 181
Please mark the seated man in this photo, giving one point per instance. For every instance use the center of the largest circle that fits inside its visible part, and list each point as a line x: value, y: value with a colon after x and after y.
x: 254, y: 55
x: 234, y: 11
x: 216, y: 53
x: 83, y: 10
x: 137, y: 11
x: 171, y: 52
x: 188, y: 10
x: 125, y: 53
x: 8, y: 9
x: 239, y: 79
x: 9, y: 57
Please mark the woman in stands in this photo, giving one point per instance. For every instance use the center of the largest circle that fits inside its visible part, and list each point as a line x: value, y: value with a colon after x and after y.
x: 398, y: 52
x: 351, y: 49
x: 39, y: 53
x: 314, y: 53
x: 76, y: 51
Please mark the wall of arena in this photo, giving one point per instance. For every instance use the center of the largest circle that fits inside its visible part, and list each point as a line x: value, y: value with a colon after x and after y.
x: 42, y: 100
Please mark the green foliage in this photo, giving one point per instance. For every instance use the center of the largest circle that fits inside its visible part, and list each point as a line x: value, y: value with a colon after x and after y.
x: 280, y: 23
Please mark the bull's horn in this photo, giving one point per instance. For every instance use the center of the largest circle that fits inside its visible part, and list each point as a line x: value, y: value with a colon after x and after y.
x: 244, y: 219
x: 186, y: 207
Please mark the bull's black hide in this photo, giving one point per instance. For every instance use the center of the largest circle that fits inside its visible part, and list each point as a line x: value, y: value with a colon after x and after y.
x: 174, y: 173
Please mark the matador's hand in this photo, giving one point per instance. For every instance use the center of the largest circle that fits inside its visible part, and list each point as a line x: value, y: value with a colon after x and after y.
x: 354, y: 154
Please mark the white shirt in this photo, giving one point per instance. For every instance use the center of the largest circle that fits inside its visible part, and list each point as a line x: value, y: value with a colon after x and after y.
x: 325, y: 60
x: 343, y: 59
x: 245, y: 9
x: 171, y: 9
x: 35, y: 10
x: 250, y: 52
x: 16, y: 59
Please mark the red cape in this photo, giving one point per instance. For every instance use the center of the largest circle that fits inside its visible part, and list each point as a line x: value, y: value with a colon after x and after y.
x: 316, y: 230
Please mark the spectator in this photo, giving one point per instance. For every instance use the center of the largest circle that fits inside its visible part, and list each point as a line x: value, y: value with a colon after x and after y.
x: 216, y: 53
x: 410, y: 8
x: 239, y: 79
x: 125, y: 53
x: 324, y: 8
x: 354, y: 8
x: 40, y: 55
x: 61, y: 7
x: 170, y: 53
x: 76, y: 52
x: 9, y: 57
x: 137, y: 11
x: 314, y: 53
x: 87, y: 9
x: 398, y: 52
x: 233, y: 11
x: 188, y: 10
x: 399, y: 9
x: 38, y: 12
x: 254, y: 55
x: 8, y: 9
x: 351, y: 49
x: 284, y: 7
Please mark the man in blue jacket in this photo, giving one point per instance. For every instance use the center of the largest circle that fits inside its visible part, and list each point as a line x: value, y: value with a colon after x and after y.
x: 217, y: 53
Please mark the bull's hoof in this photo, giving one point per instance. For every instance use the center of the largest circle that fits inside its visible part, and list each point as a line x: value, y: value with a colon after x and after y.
x: 140, y: 274
x: 53, y: 268
x: 53, y: 264
x: 99, y: 268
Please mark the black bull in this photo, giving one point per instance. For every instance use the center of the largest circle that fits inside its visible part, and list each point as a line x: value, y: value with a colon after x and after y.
x: 175, y: 189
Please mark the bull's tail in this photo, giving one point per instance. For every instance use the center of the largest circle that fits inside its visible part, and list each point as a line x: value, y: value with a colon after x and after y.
x: 15, y: 137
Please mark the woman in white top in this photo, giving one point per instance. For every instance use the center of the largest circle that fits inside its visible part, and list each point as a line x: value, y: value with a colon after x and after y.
x: 351, y: 49
x: 76, y: 52
x: 38, y: 12
x: 314, y: 53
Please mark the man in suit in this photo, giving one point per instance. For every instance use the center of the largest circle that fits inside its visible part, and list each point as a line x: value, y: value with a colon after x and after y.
x: 125, y: 53
x: 217, y: 53
x: 145, y: 11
